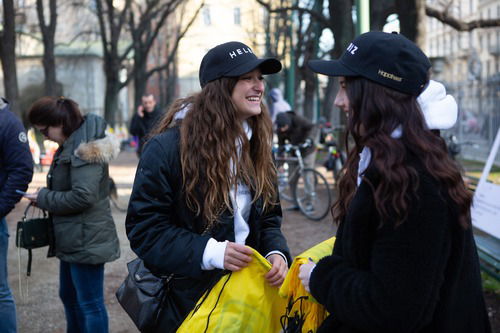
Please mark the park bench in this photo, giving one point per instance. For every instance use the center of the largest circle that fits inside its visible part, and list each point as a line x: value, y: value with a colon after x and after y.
x: 488, y: 246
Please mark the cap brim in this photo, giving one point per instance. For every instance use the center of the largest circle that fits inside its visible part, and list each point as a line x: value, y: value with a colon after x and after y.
x: 330, y: 68
x: 267, y: 66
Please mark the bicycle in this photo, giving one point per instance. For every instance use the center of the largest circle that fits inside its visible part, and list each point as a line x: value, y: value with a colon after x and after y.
x: 305, y: 187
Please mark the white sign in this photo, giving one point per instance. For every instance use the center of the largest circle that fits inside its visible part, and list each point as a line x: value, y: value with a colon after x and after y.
x: 486, y: 204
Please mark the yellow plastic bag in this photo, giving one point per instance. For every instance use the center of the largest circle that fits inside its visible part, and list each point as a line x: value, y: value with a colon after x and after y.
x: 241, y: 301
x: 303, y: 310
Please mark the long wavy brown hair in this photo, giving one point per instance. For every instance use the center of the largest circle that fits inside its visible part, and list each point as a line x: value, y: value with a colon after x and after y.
x: 210, y: 131
x: 375, y: 112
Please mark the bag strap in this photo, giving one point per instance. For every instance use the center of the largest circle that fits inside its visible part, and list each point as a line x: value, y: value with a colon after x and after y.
x: 30, y: 257
x: 32, y: 204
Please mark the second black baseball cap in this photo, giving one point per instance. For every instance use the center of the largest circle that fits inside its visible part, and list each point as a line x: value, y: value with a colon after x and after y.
x: 233, y: 59
x: 389, y: 59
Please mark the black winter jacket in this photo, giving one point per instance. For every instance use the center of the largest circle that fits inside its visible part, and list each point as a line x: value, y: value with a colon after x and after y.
x: 299, y: 130
x: 422, y: 276
x: 141, y: 126
x: 170, y: 237
x: 16, y: 162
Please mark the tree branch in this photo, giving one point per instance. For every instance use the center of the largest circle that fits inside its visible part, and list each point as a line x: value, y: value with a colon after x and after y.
x: 325, y: 22
x: 445, y: 17
x: 173, y: 52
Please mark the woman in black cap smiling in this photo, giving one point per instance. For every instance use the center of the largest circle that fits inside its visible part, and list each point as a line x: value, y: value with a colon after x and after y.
x: 205, y: 184
x: 404, y: 259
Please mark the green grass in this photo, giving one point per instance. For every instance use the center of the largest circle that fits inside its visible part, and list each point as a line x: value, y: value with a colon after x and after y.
x: 475, y: 168
x: 490, y: 283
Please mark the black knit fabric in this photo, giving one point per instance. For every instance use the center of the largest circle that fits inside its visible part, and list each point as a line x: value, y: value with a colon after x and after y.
x: 422, y: 276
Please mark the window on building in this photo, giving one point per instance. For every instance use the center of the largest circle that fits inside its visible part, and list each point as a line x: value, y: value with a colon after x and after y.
x: 237, y: 16
x: 207, y: 20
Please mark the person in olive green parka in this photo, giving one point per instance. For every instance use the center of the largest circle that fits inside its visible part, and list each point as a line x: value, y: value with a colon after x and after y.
x: 77, y: 198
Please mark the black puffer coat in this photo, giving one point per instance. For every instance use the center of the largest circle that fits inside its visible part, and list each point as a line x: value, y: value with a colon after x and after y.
x: 170, y: 238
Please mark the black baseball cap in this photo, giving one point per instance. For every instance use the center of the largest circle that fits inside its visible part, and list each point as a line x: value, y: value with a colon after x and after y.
x: 283, y: 119
x: 389, y: 59
x: 233, y: 59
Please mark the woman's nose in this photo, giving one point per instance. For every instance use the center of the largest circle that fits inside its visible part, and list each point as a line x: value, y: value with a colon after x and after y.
x: 258, y: 85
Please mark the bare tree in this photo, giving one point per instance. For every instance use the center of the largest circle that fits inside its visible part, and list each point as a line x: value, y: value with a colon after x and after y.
x: 145, y: 31
x: 443, y: 14
x: 48, y: 33
x: 338, y: 19
x: 140, y: 22
x: 166, y: 66
x: 111, y: 23
x: 8, y: 55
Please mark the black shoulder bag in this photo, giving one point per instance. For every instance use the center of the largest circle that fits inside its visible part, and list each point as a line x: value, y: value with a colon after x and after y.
x: 141, y: 294
x: 34, y: 232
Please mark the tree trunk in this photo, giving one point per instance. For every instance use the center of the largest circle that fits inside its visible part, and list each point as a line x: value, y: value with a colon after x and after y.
x: 309, y: 94
x: 408, y: 18
x: 8, y: 56
x: 48, y: 35
x: 379, y: 11
x: 341, y: 16
x: 49, y: 69
x: 111, y: 99
x: 172, y: 80
x: 140, y: 75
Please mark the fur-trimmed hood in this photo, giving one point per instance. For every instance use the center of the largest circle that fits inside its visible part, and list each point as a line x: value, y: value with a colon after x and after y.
x: 90, y: 143
x: 99, y: 151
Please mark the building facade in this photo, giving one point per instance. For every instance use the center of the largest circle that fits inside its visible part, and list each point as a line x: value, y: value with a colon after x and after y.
x: 469, y: 65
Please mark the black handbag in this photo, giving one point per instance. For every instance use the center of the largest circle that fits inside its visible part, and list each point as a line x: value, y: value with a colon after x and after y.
x: 142, y: 294
x: 33, y: 232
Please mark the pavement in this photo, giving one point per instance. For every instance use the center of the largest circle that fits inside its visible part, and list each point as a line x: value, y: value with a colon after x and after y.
x: 39, y: 308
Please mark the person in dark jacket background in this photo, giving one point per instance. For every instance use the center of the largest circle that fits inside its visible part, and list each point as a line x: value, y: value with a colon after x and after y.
x: 404, y: 259
x: 77, y: 198
x: 297, y: 130
x: 205, y: 186
x: 16, y: 171
x: 144, y: 120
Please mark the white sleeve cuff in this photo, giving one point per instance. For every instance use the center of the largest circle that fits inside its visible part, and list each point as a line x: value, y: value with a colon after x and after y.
x: 278, y: 252
x: 213, y: 256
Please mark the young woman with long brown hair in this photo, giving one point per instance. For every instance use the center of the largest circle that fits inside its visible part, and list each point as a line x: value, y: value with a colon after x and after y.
x: 205, y: 184
x: 404, y: 259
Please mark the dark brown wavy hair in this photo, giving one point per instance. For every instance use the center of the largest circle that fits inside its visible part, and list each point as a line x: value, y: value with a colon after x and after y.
x: 209, y: 132
x: 55, y: 111
x: 375, y: 112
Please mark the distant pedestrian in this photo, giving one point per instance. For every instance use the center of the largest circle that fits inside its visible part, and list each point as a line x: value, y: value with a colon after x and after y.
x: 297, y: 130
x: 16, y: 171
x: 77, y: 198
x: 404, y: 259
x: 144, y: 120
x: 206, y: 183
x: 278, y: 104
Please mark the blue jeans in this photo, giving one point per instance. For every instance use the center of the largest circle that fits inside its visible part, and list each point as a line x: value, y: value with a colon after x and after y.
x: 81, y: 291
x: 7, y: 305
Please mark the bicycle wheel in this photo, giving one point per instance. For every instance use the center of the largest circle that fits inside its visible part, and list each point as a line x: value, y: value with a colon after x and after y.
x: 285, y: 184
x: 312, y: 194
